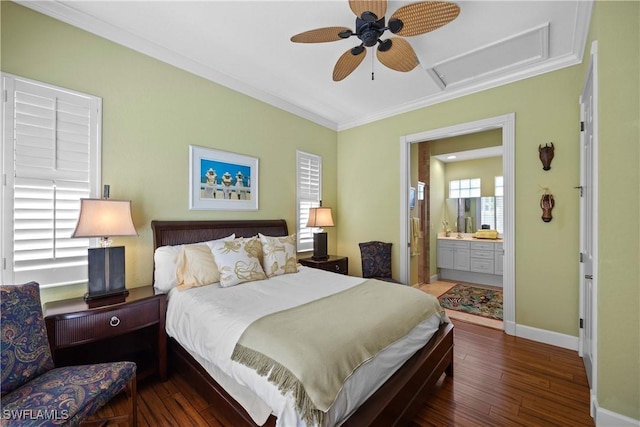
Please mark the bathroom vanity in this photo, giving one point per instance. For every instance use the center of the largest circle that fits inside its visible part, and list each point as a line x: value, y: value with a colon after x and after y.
x: 461, y: 257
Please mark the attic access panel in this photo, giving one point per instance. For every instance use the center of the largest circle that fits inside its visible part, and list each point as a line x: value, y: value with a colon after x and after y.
x: 506, y: 55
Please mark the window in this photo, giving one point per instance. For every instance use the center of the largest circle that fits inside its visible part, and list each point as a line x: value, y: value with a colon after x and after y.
x: 51, y: 147
x: 309, y: 188
x: 464, y: 188
x: 492, y: 212
x: 499, y: 191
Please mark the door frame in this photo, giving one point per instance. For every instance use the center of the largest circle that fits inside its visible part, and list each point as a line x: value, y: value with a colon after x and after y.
x: 507, y: 124
x: 592, y: 72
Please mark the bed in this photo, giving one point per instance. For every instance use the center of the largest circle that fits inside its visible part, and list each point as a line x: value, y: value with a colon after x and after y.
x: 391, y: 404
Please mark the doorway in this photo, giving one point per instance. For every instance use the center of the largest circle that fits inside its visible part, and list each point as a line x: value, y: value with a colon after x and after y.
x: 507, y: 124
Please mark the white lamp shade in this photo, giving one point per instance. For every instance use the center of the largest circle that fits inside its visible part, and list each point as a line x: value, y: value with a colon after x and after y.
x: 104, y: 218
x: 320, y: 217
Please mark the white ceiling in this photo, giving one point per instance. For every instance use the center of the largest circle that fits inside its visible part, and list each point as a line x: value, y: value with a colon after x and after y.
x: 245, y: 46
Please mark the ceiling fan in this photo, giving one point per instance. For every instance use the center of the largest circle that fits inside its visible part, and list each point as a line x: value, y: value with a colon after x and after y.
x: 395, y: 52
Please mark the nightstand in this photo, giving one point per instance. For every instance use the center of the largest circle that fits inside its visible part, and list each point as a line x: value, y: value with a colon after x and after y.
x: 128, y: 328
x: 334, y: 263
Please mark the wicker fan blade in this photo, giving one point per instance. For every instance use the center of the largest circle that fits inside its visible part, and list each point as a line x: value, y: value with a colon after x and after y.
x: 422, y: 17
x: 347, y: 63
x: 378, y: 7
x: 319, y: 35
x: 399, y: 57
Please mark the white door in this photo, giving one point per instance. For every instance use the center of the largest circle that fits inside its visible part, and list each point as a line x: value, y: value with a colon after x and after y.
x: 588, y: 172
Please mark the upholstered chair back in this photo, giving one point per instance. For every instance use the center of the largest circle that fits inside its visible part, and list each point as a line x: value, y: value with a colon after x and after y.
x: 25, y: 351
x: 376, y: 259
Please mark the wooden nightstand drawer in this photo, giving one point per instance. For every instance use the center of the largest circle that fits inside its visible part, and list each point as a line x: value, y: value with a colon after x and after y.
x: 335, y: 264
x: 87, y: 327
x: 131, y: 328
x: 339, y: 266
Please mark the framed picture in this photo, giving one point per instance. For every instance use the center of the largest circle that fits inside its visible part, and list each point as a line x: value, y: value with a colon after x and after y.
x: 219, y: 180
x: 412, y: 197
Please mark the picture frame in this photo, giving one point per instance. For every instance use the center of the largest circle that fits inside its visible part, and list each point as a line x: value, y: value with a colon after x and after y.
x: 220, y: 180
x: 412, y: 197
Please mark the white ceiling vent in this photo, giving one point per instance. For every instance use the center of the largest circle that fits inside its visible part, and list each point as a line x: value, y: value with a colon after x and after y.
x: 493, y: 60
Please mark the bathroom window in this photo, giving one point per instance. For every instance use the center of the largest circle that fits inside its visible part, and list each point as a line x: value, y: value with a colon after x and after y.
x: 492, y: 210
x: 464, y: 188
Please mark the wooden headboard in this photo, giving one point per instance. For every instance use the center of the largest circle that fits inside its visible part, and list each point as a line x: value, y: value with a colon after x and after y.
x: 184, y: 232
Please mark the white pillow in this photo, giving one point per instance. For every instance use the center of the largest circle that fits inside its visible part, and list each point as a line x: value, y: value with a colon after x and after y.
x: 165, y: 260
x: 279, y: 254
x: 196, y: 267
x: 239, y: 261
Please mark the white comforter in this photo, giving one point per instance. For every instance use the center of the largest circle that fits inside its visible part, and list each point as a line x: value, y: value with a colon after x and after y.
x: 208, y: 321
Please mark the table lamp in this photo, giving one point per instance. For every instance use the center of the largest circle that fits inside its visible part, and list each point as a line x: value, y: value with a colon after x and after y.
x: 105, y: 218
x: 320, y: 217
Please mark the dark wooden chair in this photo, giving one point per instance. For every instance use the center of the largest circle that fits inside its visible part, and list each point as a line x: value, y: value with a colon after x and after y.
x: 376, y: 260
x: 33, y: 391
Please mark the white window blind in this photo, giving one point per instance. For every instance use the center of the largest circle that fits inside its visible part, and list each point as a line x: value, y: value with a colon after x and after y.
x: 499, y: 185
x: 50, y: 160
x: 309, y: 189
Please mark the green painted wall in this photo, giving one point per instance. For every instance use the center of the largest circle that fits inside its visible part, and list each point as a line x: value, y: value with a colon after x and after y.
x: 616, y: 27
x: 152, y: 112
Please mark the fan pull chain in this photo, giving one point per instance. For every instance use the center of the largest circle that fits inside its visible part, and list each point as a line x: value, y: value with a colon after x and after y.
x: 372, y: 75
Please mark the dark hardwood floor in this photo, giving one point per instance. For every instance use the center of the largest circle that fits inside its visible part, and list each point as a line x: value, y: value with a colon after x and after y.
x: 499, y: 380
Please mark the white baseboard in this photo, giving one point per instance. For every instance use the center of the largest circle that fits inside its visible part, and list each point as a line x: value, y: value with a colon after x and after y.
x: 547, y: 337
x: 434, y: 278
x: 605, y: 418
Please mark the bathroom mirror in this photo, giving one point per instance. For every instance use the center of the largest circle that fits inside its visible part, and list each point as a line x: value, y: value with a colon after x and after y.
x: 467, y: 215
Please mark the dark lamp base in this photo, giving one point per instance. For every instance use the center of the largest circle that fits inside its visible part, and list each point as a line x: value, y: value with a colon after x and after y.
x: 320, y: 246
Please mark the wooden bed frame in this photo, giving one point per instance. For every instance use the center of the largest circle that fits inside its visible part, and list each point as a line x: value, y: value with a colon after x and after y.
x: 392, y: 404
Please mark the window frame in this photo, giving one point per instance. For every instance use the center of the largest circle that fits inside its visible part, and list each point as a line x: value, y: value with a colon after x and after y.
x: 93, y: 104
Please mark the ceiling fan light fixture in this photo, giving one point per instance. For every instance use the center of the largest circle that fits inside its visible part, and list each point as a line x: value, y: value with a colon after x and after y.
x: 395, y: 52
x: 369, y: 16
x: 357, y: 50
x: 395, y: 25
x: 385, y: 45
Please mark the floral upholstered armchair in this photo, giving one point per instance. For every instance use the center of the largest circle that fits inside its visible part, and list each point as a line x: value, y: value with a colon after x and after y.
x: 33, y: 391
x: 376, y: 260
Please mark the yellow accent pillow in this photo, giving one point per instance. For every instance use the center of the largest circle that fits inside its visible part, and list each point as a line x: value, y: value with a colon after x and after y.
x: 238, y: 261
x: 279, y: 254
x: 196, y: 267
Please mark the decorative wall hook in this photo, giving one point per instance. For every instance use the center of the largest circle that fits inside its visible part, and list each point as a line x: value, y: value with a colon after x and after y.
x: 547, y: 203
x: 546, y: 155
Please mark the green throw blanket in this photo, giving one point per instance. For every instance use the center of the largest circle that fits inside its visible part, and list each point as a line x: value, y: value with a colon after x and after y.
x: 312, y: 349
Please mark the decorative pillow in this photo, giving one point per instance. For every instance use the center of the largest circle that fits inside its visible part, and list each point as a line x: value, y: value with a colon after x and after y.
x: 165, y: 260
x: 239, y: 261
x: 196, y: 267
x: 279, y: 255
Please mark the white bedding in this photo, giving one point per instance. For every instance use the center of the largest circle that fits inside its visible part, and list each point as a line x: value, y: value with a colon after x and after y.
x: 208, y: 321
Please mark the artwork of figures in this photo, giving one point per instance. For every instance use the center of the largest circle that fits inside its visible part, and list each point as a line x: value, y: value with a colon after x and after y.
x: 222, y: 180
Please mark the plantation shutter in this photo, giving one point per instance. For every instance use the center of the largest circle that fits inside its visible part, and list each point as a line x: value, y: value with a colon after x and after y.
x: 309, y: 181
x: 499, y: 185
x: 50, y: 161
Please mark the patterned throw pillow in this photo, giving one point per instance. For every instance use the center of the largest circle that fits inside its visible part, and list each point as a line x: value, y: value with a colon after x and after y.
x: 196, y: 267
x: 279, y: 254
x: 239, y: 261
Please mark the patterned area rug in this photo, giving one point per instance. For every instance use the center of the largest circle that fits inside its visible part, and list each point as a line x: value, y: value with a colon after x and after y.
x: 472, y: 300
